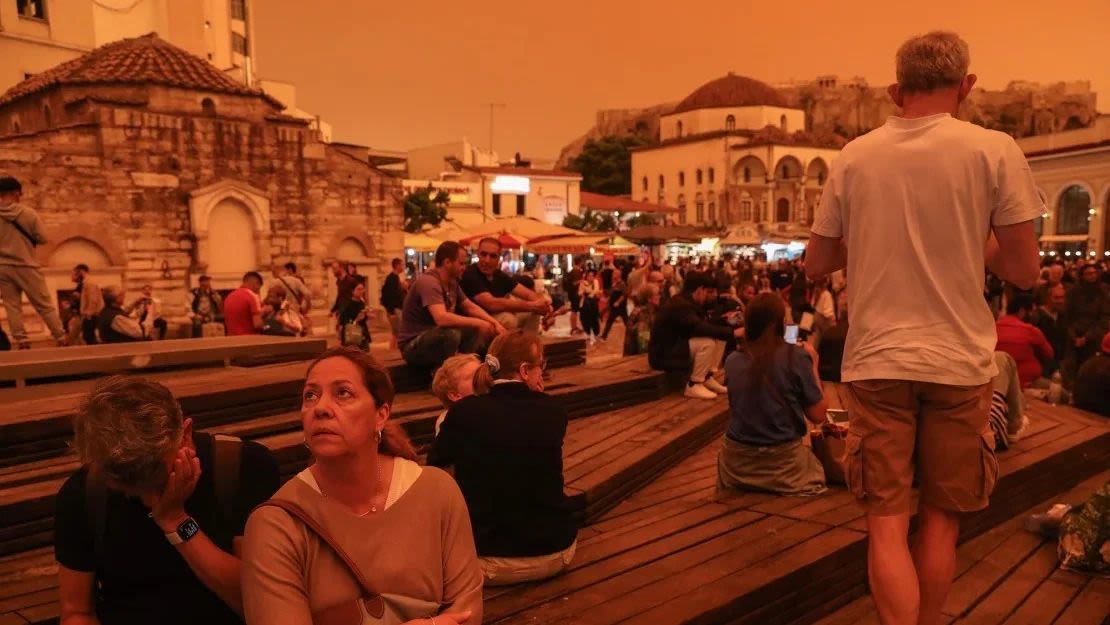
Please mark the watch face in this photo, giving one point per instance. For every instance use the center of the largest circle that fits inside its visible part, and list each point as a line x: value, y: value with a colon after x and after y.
x: 188, y: 529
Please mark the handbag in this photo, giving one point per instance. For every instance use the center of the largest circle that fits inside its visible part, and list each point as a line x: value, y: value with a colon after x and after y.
x: 830, y: 446
x: 354, y: 335
x: 371, y: 608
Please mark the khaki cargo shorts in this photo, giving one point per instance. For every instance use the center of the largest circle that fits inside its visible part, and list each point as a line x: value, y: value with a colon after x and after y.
x: 940, y: 434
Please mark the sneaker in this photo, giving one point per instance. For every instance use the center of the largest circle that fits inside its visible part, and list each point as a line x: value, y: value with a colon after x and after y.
x: 698, y: 391
x: 712, y: 384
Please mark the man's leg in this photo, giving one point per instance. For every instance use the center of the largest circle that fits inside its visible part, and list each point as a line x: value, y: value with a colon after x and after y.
x: 890, y: 569
x: 88, y: 331
x: 508, y: 319
x: 430, y: 348
x: 702, y: 351
x: 934, y: 558
x: 957, y: 470
x: 881, y: 439
x: 13, y: 303
x: 33, y: 284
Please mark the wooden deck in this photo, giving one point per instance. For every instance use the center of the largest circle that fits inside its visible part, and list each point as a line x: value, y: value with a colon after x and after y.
x: 662, y: 547
x: 1009, y: 576
x: 673, y: 552
x: 54, y: 363
x: 27, y: 489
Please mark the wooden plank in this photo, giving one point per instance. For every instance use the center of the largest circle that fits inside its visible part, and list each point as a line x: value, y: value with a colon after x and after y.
x: 1045, y: 603
x: 1090, y: 607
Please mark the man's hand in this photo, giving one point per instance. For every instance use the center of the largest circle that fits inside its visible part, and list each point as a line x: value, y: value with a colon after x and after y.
x: 541, y: 307
x: 168, y: 507
x: 740, y: 333
x: 1080, y: 341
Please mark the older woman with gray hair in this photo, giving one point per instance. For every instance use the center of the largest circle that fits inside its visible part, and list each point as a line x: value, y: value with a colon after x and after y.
x: 114, y: 324
x: 145, y: 531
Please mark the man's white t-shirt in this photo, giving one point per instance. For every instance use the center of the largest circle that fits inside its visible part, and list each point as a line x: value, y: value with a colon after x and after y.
x: 914, y: 201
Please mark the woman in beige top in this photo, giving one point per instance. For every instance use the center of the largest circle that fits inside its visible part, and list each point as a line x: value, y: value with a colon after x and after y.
x: 406, y: 527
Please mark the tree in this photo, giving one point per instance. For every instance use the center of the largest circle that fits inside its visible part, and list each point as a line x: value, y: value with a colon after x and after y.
x: 590, y: 221
x: 425, y: 207
x: 644, y: 219
x: 606, y: 164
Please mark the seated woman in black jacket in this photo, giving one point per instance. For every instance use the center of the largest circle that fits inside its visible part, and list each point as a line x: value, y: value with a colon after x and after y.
x: 506, y: 447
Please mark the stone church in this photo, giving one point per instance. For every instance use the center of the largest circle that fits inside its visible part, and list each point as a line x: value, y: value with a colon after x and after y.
x: 153, y: 167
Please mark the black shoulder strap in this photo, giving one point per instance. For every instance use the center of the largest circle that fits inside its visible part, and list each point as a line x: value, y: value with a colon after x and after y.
x: 290, y: 289
x: 30, y: 239
x: 227, y: 453
x: 96, y: 506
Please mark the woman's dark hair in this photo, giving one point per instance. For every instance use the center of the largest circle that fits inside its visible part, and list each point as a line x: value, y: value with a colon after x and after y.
x: 765, y: 325
x: 376, y: 379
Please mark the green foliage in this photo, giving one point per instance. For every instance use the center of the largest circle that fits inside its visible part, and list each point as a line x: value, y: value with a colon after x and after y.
x: 644, y: 219
x: 425, y: 207
x: 606, y: 164
x: 591, y: 222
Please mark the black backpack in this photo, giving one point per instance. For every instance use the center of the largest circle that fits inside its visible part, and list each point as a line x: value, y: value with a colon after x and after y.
x: 226, y: 452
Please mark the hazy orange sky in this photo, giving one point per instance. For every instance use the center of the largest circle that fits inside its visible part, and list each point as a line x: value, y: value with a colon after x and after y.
x: 402, y: 74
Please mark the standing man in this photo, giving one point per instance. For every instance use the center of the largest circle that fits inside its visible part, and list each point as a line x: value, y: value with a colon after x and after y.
x: 913, y: 210
x: 243, y: 308
x: 205, y: 306
x: 345, y: 283
x: 512, y: 304
x: 393, y: 297
x: 438, y: 320
x: 570, y: 286
x: 20, y: 233
x: 90, y: 302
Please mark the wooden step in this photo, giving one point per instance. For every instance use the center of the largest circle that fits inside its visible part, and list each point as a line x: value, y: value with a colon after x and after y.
x: 1010, y: 576
x: 604, y: 455
x: 39, y: 428
x: 676, y: 553
x: 27, y: 491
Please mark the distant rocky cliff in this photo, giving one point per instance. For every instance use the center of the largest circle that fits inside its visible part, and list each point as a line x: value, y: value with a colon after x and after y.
x: 851, y: 108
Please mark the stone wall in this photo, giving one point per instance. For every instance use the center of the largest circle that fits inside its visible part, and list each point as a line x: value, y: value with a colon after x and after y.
x: 127, y: 178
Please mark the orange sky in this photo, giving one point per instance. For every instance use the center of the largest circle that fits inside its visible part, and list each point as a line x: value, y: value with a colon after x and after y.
x: 398, y: 74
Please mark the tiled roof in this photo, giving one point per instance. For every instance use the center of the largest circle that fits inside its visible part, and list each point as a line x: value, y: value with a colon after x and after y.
x: 142, y: 60
x: 730, y: 91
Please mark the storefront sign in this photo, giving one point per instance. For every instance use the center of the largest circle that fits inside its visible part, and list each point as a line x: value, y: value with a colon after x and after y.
x: 519, y: 185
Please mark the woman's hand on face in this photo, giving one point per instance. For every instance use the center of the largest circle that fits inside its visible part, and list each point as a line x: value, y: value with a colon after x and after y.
x: 168, y: 507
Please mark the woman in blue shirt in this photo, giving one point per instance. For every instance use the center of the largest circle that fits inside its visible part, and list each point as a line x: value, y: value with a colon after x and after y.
x: 773, y: 388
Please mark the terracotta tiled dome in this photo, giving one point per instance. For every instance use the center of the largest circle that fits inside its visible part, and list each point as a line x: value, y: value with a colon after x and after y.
x: 148, y: 60
x: 729, y: 91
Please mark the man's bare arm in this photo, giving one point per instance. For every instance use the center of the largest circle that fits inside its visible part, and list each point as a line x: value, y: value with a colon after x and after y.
x: 824, y: 256
x: 1011, y: 254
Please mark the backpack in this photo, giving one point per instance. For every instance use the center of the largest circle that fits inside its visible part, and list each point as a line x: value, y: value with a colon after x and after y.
x: 226, y: 454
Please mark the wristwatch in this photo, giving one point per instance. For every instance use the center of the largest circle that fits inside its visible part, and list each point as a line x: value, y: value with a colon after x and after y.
x: 188, y: 528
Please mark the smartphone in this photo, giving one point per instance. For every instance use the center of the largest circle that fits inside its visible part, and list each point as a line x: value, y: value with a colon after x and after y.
x: 835, y: 415
x: 791, y: 335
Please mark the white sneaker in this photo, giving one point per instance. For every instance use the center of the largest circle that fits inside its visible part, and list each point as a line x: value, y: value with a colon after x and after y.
x: 715, y: 386
x: 698, y: 391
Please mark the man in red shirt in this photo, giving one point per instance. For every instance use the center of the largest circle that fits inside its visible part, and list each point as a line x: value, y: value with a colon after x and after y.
x: 243, y: 309
x: 1022, y: 340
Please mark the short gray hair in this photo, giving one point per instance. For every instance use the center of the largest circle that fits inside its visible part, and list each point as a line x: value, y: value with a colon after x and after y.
x: 935, y: 60
x: 124, y: 429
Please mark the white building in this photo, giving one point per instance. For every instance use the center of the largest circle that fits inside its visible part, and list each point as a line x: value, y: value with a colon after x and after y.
x: 482, y: 189
x: 732, y: 152
x: 1072, y: 170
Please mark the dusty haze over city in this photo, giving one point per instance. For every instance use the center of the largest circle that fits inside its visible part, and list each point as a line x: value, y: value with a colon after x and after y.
x: 402, y: 74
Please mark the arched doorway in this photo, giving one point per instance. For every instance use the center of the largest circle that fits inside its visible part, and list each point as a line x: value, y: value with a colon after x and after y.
x: 1073, y: 210
x: 232, y: 245
x: 782, y: 210
x: 70, y: 253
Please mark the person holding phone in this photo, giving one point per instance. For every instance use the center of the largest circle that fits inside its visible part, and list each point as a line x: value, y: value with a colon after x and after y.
x: 773, y: 389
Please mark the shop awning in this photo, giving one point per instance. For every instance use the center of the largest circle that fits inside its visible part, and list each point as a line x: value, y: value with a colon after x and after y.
x: 421, y: 242
x: 741, y: 236
x: 1064, y: 238
x: 597, y: 243
x: 619, y: 203
x: 523, y: 228
x: 657, y: 235
x: 507, y: 240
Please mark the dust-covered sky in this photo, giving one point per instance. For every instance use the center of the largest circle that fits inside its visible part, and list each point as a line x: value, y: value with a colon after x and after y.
x: 402, y: 74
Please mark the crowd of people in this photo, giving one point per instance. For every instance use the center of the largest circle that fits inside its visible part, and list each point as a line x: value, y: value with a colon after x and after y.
x: 930, y: 306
